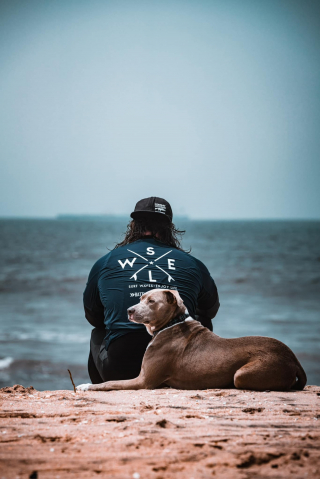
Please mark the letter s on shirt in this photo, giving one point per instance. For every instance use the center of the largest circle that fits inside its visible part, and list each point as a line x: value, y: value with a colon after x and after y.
x: 150, y: 250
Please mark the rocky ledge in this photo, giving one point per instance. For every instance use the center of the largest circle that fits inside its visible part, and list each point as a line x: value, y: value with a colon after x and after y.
x: 164, y: 433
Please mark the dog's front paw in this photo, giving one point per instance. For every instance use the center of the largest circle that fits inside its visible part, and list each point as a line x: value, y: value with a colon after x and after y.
x: 83, y: 387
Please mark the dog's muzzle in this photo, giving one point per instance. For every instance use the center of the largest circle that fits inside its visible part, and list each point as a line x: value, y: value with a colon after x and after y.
x: 135, y: 319
x: 130, y: 312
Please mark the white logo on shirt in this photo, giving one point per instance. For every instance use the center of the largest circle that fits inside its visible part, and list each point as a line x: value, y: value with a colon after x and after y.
x: 150, y: 251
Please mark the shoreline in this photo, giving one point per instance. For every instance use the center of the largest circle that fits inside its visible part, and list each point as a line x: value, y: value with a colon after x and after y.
x: 160, y: 434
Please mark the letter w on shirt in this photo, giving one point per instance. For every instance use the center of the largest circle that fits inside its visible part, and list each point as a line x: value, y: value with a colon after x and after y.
x: 127, y: 261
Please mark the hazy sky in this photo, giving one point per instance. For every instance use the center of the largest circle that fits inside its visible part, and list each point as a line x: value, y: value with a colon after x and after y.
x: 213, y: 105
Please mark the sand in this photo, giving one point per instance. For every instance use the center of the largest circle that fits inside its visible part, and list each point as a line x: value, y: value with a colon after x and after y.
x: 163, y: 433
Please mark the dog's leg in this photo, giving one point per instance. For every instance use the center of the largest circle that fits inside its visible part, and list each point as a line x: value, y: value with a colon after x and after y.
x: 260, y: 375
x: 136, y: 383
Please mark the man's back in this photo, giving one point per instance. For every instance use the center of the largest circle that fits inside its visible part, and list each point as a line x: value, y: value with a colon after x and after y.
x: 119, y: 279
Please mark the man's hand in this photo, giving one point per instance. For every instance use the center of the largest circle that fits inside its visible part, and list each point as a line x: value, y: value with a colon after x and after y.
x: 83, y: 387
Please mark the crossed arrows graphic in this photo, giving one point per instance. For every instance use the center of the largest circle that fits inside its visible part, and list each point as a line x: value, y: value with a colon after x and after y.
x: 135, y: 277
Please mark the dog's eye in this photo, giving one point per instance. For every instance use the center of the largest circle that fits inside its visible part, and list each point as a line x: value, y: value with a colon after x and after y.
x: 151, y: 301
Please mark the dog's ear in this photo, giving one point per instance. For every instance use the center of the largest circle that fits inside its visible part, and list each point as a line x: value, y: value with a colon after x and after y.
x: 171, y: 299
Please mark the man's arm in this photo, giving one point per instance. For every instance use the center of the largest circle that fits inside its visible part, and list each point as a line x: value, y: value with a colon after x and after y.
x: 93, y: 308
x: 208, y: 299
x: 211, y: 312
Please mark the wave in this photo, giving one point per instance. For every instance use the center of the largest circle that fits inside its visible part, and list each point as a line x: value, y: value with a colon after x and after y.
x: 48, y: 336
x: 5, y: 362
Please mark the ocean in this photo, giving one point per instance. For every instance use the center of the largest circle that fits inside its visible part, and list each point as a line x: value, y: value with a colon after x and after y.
x: 267, y: 274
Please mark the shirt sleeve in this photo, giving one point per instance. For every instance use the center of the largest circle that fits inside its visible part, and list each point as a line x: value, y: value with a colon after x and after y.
x: 208, y: 298
x: 93, y: 308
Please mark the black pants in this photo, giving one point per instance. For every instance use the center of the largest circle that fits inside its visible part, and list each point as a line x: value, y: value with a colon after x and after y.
x: 122, y: 360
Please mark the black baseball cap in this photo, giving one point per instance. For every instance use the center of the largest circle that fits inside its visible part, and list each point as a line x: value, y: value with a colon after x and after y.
x: 152, y: 206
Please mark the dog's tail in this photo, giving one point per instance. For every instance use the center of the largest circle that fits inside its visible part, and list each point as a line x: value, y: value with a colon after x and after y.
x: 301, y: 378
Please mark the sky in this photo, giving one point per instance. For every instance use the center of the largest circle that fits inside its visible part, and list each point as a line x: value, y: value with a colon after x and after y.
x: 212, y: 105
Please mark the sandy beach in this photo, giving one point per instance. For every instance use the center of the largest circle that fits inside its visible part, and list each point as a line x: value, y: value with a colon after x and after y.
x: 164, y: 433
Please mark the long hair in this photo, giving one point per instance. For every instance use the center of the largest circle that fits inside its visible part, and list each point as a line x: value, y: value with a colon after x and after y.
x: 160, y: 229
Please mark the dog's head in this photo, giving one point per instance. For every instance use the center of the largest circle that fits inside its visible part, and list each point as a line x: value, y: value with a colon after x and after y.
x: 156, y: 309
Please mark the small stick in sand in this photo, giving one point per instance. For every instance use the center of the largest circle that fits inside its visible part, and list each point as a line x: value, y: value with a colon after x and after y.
x: 74, y: 387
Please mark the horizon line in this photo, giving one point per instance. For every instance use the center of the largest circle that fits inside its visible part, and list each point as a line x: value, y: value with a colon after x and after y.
x: 91, y: 216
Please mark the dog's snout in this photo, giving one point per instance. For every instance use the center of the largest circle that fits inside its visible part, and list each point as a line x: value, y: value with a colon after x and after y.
x: 130, y: 310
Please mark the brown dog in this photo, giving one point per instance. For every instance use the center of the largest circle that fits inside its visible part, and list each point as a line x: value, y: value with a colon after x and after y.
x: 185, y: 355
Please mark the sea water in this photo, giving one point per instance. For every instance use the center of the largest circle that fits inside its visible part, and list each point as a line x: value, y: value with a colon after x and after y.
x: 267, y: 274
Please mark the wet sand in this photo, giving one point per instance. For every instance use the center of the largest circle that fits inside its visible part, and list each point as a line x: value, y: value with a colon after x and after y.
x: 164, y: 433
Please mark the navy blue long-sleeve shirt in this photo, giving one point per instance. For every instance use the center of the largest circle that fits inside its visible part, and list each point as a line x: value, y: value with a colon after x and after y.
x: 121, y: 277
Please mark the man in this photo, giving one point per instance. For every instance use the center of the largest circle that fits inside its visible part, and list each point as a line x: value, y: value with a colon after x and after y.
x: 149, y: 257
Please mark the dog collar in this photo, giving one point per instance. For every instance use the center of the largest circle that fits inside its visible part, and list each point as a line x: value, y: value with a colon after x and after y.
x: 176, y: 320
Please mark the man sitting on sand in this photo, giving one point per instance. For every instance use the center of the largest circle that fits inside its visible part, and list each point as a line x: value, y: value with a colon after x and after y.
x: 149, y: 257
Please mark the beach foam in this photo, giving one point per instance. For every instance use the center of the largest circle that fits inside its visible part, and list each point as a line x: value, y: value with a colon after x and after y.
x: 5, y: 362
